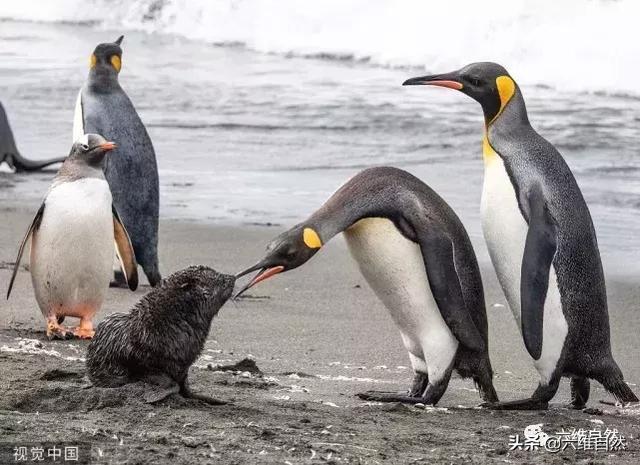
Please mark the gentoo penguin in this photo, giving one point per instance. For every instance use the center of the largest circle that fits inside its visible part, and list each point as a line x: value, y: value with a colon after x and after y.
x: 9, y: 153
x: 72, y: 241
x: 132, y: 173
x: 415, y: 254
x: 542, y: 243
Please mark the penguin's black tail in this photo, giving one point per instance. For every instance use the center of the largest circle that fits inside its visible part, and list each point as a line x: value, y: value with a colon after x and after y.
x: 483, y: 379
x: 613, y: 381
x: 621, y: 391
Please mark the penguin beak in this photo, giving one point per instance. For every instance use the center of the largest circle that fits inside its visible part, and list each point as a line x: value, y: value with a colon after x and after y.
x: 449, y: 80
x: 108, y: 146
x: 265, y: 272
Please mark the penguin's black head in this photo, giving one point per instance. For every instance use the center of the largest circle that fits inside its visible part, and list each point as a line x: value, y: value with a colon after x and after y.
x: 106, y: 59
x: 91, y: 149
x: 287, y: 251
x: 487, y: 83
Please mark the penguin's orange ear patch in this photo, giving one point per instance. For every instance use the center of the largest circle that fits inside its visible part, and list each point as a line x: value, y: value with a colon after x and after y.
x: 311, y: 238
x: 116, y: 63
x: 92, y: 60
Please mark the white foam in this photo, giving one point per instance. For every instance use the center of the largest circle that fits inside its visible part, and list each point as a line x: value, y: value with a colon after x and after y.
x: 571, y: 44
x: 35, y: 347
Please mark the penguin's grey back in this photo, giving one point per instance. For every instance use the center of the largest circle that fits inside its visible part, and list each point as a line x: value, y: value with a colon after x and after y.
x: 131, y: 170
x: 404, y: 199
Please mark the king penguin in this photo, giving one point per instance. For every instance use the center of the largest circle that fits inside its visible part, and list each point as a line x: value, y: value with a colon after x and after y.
x: 415, y: 254
x: 542, y: 243
x: 103, y: 107
x: 72, y: 241
x: 9, y: 153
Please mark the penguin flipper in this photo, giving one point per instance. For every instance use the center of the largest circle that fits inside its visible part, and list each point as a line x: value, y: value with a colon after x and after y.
x: 124, y: 250
x: 35, y: 224
x: 78, y: 119
x: 437, y: 252
x: 539, y: 250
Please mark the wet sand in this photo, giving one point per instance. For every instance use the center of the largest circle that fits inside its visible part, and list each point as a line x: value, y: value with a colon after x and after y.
x: 317, y: 336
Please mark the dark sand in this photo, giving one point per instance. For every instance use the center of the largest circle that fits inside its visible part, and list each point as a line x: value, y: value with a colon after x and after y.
x: 318, y: 336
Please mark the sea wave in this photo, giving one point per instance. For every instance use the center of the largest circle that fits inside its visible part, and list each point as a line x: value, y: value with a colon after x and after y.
x: 581, y: 45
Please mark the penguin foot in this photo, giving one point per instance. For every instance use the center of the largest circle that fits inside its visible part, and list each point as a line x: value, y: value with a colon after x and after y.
x: 573, y: 405
x: 378, y: 396
x: 524, y: 404
x: 385, y: 393
x: 56, y: 331
x: 84, y: 329
x: 119, y: 280
x: 83, y: 333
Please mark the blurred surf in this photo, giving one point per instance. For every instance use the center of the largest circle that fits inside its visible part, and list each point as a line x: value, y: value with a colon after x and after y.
x: 567, y: 45
x: 256, y: 138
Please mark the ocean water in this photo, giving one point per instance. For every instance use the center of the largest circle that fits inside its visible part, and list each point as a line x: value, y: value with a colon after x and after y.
x: 259, y: 110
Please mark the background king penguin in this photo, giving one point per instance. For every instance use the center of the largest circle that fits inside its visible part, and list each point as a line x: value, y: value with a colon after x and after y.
x: 542, y: 243
x: 132, y: 173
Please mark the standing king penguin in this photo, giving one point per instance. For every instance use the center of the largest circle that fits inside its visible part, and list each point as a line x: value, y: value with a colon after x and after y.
x: 542, y: 243
x: 132, y: 172
x: 415, y: 254
x: 72, y: 239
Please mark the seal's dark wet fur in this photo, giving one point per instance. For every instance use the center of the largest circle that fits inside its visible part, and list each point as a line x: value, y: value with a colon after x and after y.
x: 162, y: 336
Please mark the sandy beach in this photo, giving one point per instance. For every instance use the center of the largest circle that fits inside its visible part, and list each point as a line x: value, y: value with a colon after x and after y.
x: 316, y: 337
x: 258, y: 111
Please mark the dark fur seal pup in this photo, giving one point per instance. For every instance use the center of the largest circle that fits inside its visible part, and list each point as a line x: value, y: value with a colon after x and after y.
x: 9, y: 153
x: 162, y: 336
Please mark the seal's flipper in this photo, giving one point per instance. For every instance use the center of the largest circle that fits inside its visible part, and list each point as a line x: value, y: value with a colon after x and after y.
x: 539, y: 250
x: 437, y: 252
x: 159, y: 387
x: 125, y: 251
x: 186, y: 392
x: 158, y: 393
x: 33, y: 227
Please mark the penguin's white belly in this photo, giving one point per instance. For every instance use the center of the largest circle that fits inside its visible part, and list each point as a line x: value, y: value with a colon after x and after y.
x: 72, y: 250
x: 394, y: 268
x: 505, y: 232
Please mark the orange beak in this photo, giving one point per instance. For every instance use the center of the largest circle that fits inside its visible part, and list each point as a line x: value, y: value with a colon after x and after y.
x: 440, y: 80
x: 107, y: 146
x: 449, y: 84
x: 265, y: 273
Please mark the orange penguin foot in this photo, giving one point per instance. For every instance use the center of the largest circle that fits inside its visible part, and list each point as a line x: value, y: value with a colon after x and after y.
x: 84, y: 330
x: 55, y: 330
